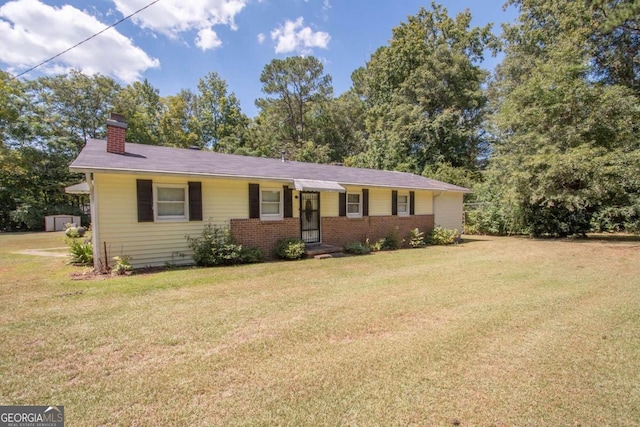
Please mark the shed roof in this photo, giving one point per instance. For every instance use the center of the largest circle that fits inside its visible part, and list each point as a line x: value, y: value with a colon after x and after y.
x: 151, y: 159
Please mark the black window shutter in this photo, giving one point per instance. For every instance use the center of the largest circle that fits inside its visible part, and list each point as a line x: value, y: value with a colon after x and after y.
x: 342, y: 204
x: 195, y: 201
x: 394, y: 202
x: 254, y: 200
x: 145, y: 200
x: 365, y: 202
x: 412, y: 202
x: 288, y: 196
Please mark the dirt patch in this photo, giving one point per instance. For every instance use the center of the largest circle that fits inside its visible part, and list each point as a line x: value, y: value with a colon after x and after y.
x: 53, y: 252
x: 89, y: 275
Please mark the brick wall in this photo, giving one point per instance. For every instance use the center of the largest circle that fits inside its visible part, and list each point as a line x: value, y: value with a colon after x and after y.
x: 337, y: 231
x: 116, y: 138
x: 255, y: 233
x: 340, y: 231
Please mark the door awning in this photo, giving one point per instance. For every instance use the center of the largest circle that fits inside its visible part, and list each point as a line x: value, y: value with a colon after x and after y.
x: 315, y: 185
x: 81, y: 188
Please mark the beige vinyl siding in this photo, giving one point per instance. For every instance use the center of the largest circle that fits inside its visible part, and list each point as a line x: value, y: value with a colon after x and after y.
x: 157, y: 243
x: 329, y: 204
x: 295, y: 203
x: 448, y: 210
x: 424, y: 203
x: 379, y: 201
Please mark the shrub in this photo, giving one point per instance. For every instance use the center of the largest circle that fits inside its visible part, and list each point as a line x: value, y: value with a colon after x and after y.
x: 252, y: 255
x: 357, y: 248
x: 216, y: 246
x: 75, y: 232
x: 390, y: 242
x: 290, y: 248
x: 443, y: 236
x: 416, y: 238
x: 27, y: 217
x: 375, y: 246
x: 80, y: 252
x: 123, y: 265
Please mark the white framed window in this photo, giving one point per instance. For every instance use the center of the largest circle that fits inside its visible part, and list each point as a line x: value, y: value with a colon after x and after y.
x: 354, y: 205
x: 271, y: 203
x: 403, y: 204
x: 170, y: 202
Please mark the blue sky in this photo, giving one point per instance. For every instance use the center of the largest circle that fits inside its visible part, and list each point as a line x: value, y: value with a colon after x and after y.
x: 173, y: 43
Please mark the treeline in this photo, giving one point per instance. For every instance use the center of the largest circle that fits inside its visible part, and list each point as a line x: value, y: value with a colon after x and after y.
x: 550, y: 142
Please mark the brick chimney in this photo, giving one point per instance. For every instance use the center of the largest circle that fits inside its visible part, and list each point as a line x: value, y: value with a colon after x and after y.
x: 116, y: 131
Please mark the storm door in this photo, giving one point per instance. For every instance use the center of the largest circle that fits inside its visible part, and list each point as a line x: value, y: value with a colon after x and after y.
x: 310, y: 216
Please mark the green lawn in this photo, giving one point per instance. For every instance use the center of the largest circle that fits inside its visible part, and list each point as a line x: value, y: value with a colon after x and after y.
x: 495, y: 331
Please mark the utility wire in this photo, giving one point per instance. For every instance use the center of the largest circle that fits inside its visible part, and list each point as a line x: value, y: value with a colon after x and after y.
x: 85, y: 40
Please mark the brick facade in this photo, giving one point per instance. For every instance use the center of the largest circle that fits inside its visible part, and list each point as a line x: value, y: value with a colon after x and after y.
x: 340, y: 231
x: 255, y: 233
x: 337, y: 231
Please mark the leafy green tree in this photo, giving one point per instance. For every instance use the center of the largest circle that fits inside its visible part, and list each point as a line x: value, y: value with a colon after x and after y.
x: 342, y: 127
x: 615, y: 41
x: 180, y: 125
x: 69, y: 109
x: 45, y: 123
x: 222, y: 122
x: 567, y: 146
x: 12, y: 96
x: 142, y: 106
x: 298, y: 91
x: 424, y: 93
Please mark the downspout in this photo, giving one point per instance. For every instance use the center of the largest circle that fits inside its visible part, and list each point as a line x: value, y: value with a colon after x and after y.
x: 95, y: 238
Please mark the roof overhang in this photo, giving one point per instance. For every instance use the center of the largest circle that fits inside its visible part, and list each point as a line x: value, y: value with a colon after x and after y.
x: 80, y: 188
x: 316, y: 185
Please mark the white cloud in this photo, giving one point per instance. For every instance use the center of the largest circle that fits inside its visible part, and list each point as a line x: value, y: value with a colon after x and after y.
x: 293, y: 36
x: 261, y: 38
x: 28, y: 38
x: 207, y: 39
x: 175, y: 17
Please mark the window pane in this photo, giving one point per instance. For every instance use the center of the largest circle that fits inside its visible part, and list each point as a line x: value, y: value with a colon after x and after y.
x: 403, y: 199
x: 169, y: 194
x: 271, y: 196
x: 270, y: 208
x: 353, y: 198
x: 353, y: 208
x: 170, y: 209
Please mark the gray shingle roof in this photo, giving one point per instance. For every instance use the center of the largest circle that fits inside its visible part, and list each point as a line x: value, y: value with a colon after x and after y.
x: 180, y: 161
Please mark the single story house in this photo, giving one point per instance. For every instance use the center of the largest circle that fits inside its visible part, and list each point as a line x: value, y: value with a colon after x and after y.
x: 145, y: 199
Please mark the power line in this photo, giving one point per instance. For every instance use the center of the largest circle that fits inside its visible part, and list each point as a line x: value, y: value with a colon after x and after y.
x: 85, y: 40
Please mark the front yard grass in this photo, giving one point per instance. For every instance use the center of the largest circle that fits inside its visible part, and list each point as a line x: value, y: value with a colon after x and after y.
x: 495, y: 331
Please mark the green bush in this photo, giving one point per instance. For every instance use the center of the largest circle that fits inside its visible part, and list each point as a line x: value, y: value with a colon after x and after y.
x: 290, y: 248
x: 123, y: 265
x: 80, y: 252
x: 443, y: 236
x: 252, y: 255
x: 216, y: 246
x: 390, y: 242
x: 74, y: 232
x: 357, y: 248
x: 375, y: 246
x: 416, y: 238
x: 27, y: 217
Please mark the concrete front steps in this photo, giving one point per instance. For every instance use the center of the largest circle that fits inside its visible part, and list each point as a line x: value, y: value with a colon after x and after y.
x: 322, y: 251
